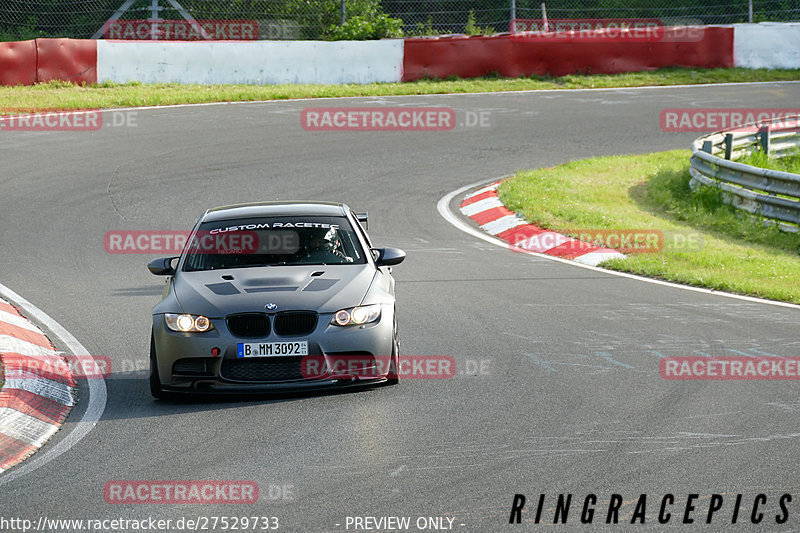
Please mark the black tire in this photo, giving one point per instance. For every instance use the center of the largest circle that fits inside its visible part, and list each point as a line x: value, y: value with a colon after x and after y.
x: 155, y: 380
x: 393, y: 377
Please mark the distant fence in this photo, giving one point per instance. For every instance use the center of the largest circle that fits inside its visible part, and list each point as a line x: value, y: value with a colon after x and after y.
x: 312, y: 19
x: 770, y: 194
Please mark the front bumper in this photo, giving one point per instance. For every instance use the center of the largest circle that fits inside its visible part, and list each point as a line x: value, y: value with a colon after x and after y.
x: 198, y: 371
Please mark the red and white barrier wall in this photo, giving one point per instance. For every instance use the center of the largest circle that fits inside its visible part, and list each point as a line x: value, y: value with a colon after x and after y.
x: 29, y: 62
x: 521, y: 55
x: 767, y: 45
x: 391, y: 60
x: 251, y: 62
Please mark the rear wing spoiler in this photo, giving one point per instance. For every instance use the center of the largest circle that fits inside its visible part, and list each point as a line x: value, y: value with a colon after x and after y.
x: 362, y: 219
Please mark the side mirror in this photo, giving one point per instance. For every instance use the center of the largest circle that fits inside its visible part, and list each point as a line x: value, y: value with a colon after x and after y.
x: 389, y: 256
x: 161, y: 266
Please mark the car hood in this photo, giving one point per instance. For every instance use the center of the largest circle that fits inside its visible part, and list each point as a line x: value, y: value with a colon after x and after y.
x: 321, y: 288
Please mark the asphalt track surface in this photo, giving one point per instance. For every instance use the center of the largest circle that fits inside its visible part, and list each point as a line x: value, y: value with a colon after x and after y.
x: 572, y: 401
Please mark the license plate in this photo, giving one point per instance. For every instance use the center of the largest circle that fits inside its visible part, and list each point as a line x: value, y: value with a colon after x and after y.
x: 271, y: 349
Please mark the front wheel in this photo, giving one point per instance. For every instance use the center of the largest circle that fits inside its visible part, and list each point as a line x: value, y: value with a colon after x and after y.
x: 393, y: 376
x: 155, y: 380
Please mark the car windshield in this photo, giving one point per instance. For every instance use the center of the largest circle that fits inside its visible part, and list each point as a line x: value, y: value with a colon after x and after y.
x: 273, y: 241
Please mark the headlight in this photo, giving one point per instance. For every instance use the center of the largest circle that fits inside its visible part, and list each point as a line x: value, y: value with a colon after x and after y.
x: 355, y: 316
x: 188, y: 323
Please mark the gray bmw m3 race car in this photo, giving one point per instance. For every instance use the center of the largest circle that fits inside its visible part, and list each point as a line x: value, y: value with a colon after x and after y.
x: 275, y: 296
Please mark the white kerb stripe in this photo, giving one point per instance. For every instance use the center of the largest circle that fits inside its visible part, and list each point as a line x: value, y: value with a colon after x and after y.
x: 9, y: 344
x: 492, y: 187
x: 16, y: 320
x: 595, y: 258
x: 481, y: 205
x: 25, y: 428
x: 502, y: 224
x: 54, y: 390
x: 543, y: 241
x: 17, y: 373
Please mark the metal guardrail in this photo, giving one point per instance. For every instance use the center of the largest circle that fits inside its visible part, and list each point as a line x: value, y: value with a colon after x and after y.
x: 771, y: 194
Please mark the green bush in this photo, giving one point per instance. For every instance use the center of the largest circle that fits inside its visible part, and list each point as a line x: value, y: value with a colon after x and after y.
x: 473, y: 29
x: 361, y: 27
x: 24, y: 32
x: 364, y: 19
x: 425, y: 29
x: 790, y: 162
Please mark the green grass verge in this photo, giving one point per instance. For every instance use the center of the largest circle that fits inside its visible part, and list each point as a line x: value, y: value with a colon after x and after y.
x: 706, y: 243
x: 787, y: 163
x: 61, y: 95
